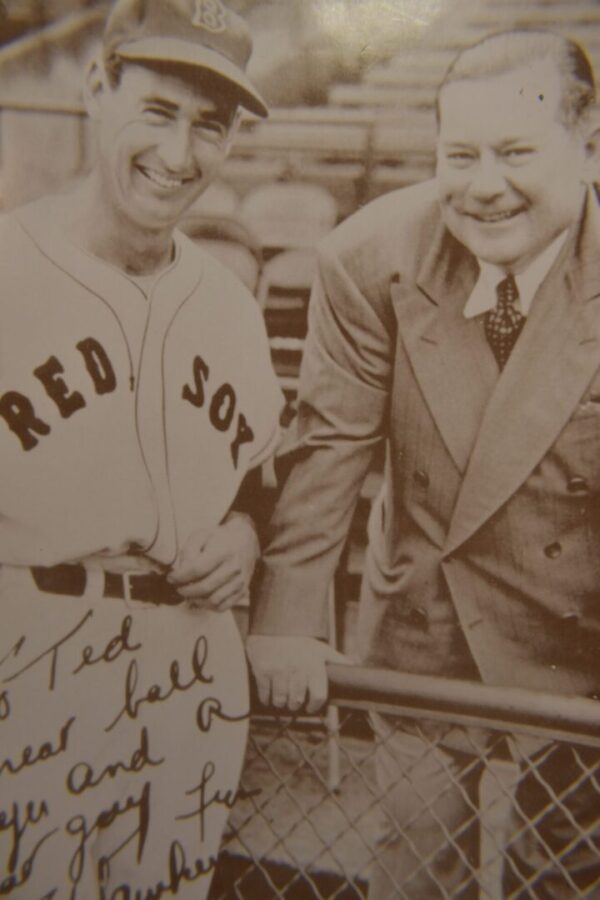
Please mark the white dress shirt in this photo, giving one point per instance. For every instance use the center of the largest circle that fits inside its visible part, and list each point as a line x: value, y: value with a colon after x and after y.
x: 483, y: 296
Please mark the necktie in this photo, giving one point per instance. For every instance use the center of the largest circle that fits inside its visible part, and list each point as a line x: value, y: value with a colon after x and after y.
x: 504, y: 323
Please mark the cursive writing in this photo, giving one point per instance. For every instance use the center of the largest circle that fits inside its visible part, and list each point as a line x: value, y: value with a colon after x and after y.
x: 77, y: 826
x: 81, y: 776
x: 179, y: 873
x: 211, y: 708
x: 158, y: 694
x: 225, y: 798
x: 117, y: 645
x: 14, y: 650
x: 45, y: 751
x: 17, y: 821
x: 17, y: 879
x: 52, y: 652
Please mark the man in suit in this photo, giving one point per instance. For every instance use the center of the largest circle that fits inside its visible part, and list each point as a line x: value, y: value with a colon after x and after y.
x: 459, y: 321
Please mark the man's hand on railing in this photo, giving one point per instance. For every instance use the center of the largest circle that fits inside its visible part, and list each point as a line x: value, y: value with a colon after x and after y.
x: 290, y: 671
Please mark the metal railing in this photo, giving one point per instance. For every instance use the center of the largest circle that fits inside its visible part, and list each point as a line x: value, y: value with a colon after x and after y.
x: 322, y: 811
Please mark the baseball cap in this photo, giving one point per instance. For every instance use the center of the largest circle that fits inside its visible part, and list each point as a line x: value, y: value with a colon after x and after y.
x: 202, y: 33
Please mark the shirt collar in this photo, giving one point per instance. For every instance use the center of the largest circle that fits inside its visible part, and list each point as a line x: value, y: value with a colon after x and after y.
x: 483, y: 296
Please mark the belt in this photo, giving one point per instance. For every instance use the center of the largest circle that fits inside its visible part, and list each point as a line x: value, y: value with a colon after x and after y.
x: 147, y: 587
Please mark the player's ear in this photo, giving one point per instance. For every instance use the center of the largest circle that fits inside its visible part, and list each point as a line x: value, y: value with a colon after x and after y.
x: 95, y: 85
x: 590, y: 135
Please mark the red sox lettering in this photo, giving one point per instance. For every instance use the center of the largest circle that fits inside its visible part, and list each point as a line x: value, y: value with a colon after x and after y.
x: 19, y: 413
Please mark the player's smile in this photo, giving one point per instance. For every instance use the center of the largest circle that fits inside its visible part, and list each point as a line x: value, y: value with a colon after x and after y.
x: 162, y: 179
x: 162, y: 141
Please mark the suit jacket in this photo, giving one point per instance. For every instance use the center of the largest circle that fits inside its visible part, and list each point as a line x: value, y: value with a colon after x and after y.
x: 487, y: 530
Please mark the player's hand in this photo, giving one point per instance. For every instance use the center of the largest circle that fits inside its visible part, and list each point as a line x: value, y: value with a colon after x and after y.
x: 290, y: 671
x: 215, y: 572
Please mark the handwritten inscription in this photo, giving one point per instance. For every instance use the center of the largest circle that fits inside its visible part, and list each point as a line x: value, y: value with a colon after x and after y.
x: 29, y: 756
x: 79, y: 827
x: 4, y: 706
x: 81, y: 776
x: 117, y: 748
x: 21, y: 877
x: 116, y: 645
x: 16, y: 821
x: 158, y: 694
x: 51, y: 653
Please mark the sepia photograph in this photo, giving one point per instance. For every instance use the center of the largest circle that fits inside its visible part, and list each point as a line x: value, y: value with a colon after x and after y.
x: 299, y: 449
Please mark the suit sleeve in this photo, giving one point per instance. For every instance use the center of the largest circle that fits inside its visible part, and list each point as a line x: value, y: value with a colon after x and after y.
x: 343, y: 400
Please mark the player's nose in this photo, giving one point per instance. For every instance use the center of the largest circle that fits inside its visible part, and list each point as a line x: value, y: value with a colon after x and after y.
x: 175, y: 148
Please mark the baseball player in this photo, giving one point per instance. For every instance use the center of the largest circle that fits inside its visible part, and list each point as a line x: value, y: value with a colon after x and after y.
x: 136, y: 400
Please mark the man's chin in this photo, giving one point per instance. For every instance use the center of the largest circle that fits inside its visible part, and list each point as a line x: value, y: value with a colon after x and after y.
x: 495, y: 248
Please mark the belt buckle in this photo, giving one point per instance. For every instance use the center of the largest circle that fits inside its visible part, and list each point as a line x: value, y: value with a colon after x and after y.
x: 129, y: 600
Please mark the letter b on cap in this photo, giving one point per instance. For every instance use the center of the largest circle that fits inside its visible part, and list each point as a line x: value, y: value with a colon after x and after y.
x: 211, y: 15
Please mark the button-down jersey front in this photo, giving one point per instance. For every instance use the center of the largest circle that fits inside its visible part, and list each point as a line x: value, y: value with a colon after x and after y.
x: 126, y: 422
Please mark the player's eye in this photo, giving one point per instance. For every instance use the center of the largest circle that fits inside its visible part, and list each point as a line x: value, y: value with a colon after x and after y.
x: 157, y: 114
x: 211, y: 129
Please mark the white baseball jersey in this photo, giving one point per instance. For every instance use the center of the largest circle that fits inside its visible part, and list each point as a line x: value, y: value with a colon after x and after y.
x: 127, y: 423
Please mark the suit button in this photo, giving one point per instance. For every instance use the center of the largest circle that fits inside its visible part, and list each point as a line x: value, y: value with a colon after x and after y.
x: 553, y: 551
x: 421, y: 478
x: 570, y: 618
x: 576, y: 484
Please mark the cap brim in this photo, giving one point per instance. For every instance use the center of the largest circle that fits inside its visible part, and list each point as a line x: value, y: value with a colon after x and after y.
x: 188, y: 54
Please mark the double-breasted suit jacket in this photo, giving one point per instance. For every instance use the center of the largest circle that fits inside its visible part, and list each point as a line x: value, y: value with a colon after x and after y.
x: 484, y: 555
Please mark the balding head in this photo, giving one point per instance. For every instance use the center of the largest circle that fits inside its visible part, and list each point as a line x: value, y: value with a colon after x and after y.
x: 504, y: 52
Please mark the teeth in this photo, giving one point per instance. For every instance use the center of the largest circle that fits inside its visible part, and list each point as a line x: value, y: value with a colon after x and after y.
x: 498, y: 217
x: 164, y: 181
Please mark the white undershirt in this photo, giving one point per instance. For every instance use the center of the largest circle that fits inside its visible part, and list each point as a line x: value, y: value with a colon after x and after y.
x: 483, y: 296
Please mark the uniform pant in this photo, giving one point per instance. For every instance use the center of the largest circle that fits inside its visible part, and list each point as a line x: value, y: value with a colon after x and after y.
x: 460, y: 824
x: 122, y: 735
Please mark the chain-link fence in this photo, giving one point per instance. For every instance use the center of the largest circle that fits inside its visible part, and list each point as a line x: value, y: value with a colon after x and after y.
x: 423, y: 788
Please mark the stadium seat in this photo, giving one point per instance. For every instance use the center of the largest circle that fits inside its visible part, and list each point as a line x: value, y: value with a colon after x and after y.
x: 283, y: 293
x: 219, y: 199
x: 229, y: 241
x: 287, y: 215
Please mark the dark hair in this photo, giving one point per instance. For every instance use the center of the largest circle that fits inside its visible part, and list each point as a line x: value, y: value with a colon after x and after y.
x: 508, y: 50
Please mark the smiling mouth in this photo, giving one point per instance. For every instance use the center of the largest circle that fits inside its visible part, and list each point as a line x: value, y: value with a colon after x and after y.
x: 167, y: 182
x: 491, y: 218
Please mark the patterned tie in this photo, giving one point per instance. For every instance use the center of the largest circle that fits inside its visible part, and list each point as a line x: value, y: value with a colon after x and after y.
x: 504, y: 323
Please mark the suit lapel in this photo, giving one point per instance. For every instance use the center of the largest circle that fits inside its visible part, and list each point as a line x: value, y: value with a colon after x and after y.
x: 449, y: 354
x: 554, y: 360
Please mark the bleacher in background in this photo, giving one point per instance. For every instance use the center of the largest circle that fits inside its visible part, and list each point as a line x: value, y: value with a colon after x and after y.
x: 368, y: 133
